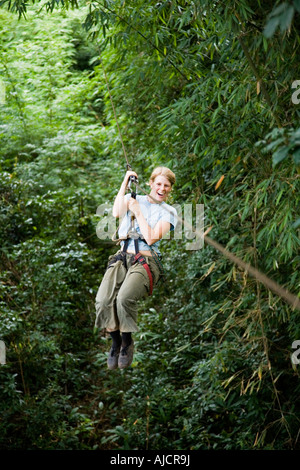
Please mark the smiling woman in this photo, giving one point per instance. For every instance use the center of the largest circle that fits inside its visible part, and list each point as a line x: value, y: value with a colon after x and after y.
x: 132, y: 271
x: 153, y: 220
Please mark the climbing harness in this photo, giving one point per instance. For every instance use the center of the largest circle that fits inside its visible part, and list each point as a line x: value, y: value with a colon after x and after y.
x: 139, y: 258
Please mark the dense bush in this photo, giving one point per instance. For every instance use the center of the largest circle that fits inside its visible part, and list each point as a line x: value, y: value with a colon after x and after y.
x: 198, y: 87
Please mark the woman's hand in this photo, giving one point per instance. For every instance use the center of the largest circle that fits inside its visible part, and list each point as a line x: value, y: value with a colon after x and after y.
x: 134, y: 206
x: 120, y: 206
x: 128, y: 174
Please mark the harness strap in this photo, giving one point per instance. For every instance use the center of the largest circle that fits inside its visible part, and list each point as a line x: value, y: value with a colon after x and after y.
x: 125, y: 245
x: 119, y: 257
x: 138, y: 258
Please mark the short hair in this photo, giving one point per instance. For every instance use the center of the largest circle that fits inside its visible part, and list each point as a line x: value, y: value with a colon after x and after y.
x: 163, y: 171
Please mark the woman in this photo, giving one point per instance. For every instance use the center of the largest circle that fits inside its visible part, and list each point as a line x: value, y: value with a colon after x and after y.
x: 129, y: 276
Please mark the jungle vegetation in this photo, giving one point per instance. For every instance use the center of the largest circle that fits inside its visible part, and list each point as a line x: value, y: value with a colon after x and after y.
x: 209, y: 89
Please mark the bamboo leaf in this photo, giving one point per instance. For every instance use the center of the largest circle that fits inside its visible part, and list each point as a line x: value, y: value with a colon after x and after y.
x: 296, y: 156
x: 270, y: 27
x: 280, y: 155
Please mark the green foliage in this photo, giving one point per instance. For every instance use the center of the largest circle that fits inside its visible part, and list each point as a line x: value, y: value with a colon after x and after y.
x: 282, y: 16
x: 198, y: 87
x: 283, y: 143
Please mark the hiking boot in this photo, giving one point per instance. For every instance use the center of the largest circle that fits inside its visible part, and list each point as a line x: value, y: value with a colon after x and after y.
x: 113, y: 356
x: 126, y: 356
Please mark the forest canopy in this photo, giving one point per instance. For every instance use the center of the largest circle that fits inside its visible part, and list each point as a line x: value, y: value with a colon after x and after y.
x: 211, y: 90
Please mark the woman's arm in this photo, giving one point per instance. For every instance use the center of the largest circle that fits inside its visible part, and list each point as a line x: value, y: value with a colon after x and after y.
x: 120, y: 204
x: 151, y: 235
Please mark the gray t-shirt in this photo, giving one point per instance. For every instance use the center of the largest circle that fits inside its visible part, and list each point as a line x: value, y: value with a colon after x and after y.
x: 153, y: 213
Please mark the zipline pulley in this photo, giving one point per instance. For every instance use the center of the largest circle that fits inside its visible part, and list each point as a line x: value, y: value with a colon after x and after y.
x: 132, y: 233
x: 132, y: 179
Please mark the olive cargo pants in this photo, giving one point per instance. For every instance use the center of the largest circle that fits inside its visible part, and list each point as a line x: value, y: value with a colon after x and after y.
x: 119, y: 291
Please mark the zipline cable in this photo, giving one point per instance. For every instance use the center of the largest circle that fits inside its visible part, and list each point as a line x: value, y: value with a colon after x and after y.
x: 285, y: 294
x: 115, y: 114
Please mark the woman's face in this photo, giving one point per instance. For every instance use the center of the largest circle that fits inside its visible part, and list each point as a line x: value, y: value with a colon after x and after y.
x: 160, y: 188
